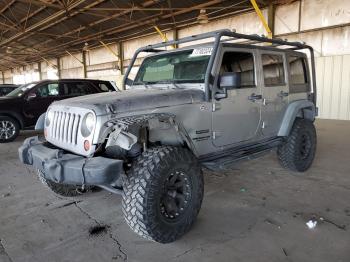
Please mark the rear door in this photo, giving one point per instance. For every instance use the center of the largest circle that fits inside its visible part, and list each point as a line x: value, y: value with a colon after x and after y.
x: 275, y: 91
x: 76, y: 88
x: 104, y: 86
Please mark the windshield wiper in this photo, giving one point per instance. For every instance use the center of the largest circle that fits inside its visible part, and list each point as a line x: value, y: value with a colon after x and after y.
x: 168, y: 82
x: 145, y: 83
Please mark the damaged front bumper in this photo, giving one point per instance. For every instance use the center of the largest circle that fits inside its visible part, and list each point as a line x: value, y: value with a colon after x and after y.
x: 62, y: 167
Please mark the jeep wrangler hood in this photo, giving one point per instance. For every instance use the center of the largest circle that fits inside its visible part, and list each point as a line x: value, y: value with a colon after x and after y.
x: 134, y: 100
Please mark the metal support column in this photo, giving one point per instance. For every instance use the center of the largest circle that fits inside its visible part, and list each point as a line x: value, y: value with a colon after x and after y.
x: 39, y: 70
x: 121, y: 57
x: 175, y: 37
x: 271, y: 18
x: 110, y: 49
x: 58, y: 68
x: 83, y: 61
x: 262, y: 18
x: 84, y: 64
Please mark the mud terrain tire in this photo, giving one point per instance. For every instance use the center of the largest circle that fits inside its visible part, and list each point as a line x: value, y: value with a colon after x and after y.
x: 163, y: 193
x: 298, y: 152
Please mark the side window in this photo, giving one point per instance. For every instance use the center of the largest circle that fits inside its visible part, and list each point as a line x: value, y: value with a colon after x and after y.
x: 64, y: 89
x: 239, y: 62
x: 103, y: 87
x: 297, y: 68
x: 273, y: 69
x: 76, y: 89
x: 47, y: 90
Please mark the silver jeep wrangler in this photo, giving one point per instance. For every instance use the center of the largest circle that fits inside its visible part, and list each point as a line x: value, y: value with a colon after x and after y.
x: 209, y: 104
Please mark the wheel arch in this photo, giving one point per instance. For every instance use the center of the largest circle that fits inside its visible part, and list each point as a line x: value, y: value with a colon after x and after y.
x: 171, y: 134
x: 162, y: 128
x: 298, y: 109
x: 15, y: 116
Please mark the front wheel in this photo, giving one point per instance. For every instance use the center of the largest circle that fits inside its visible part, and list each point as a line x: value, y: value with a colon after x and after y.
x: 298, y: 152
x: 9, y: 129
x: 163, y: 193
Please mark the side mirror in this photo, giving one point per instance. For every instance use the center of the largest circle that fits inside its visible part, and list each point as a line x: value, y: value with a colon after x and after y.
x: 31, y: 96
x: 230, y: 80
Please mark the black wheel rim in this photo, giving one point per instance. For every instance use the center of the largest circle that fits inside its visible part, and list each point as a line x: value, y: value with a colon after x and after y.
x: 7, y: 129
x: 176, y: 195
x: 305, y: 146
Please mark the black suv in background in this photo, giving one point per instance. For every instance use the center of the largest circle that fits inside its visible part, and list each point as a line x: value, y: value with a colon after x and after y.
x: 7, y: 88
x: 21, y: 108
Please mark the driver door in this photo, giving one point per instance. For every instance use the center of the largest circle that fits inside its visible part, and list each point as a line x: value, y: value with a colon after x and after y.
x: 236, y: 118
x: 38, y: 100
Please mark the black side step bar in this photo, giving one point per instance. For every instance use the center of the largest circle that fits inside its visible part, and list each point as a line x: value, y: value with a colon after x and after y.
x: 227, y: 158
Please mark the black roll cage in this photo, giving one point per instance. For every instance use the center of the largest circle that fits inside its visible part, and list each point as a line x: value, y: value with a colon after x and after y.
x: 217, y: 35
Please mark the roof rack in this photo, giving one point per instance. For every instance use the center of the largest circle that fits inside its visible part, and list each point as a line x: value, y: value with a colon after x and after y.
x: 217, y: 35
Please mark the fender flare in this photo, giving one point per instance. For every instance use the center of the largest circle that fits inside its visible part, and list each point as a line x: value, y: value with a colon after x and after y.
x: 301, y: 108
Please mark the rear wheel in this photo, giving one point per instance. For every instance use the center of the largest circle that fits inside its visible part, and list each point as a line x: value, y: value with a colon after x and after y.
x: 298, y: 152
x: 9, y: 129
x: 63, y: 189
x: 163, y: 193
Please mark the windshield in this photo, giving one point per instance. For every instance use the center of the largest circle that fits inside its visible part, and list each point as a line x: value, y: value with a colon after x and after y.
x: 20, y: 90
x: 187, y: 66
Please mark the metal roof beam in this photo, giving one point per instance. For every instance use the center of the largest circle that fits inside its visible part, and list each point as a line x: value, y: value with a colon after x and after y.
x: 79, y: 29
x: 41, y: 3
x: 151, y: 20
x: 2, y: 10
x: 38, y: 10
x: 41, y: 23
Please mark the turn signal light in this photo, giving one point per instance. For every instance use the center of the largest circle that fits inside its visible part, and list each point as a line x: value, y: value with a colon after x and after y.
x: 86, y: 145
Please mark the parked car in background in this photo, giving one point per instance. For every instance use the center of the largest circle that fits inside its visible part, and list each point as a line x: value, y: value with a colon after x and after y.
x: 21, y: 108
x: 7, y: 88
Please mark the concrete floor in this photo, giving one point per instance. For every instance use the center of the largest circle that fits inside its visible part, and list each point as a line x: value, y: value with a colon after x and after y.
x: 255, y: 212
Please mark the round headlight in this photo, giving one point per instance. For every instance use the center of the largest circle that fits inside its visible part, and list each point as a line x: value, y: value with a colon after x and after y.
x: 48, y: 117
x: 88, y: 124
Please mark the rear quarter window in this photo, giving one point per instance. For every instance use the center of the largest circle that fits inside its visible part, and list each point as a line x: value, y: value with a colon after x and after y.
x: 76, y: 89
x: 105, y: 87
x: 298, y: 75
x: 273, y: 69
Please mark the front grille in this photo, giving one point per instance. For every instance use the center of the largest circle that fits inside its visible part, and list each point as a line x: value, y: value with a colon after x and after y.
x: 64, y: 127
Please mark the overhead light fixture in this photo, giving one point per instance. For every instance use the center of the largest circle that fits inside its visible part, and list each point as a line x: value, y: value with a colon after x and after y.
x: 86, y: 47
x: 202, y: 17
x: 9, y: 50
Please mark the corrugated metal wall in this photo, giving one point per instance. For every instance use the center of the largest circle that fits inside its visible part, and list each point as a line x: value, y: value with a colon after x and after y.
x: 315, y: 26
x: 333, y: 82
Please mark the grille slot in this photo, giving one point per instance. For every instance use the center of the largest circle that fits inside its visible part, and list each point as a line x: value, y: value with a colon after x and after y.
x: 65, y: 127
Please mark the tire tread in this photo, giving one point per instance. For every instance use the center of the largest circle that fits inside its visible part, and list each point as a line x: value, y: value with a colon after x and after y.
x: 142, y: 180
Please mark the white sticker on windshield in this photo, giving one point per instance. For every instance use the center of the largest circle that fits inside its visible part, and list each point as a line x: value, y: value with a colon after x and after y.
x: 204, y: 51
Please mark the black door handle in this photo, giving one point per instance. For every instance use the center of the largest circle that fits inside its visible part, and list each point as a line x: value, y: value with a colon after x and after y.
x: 254, y: 97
